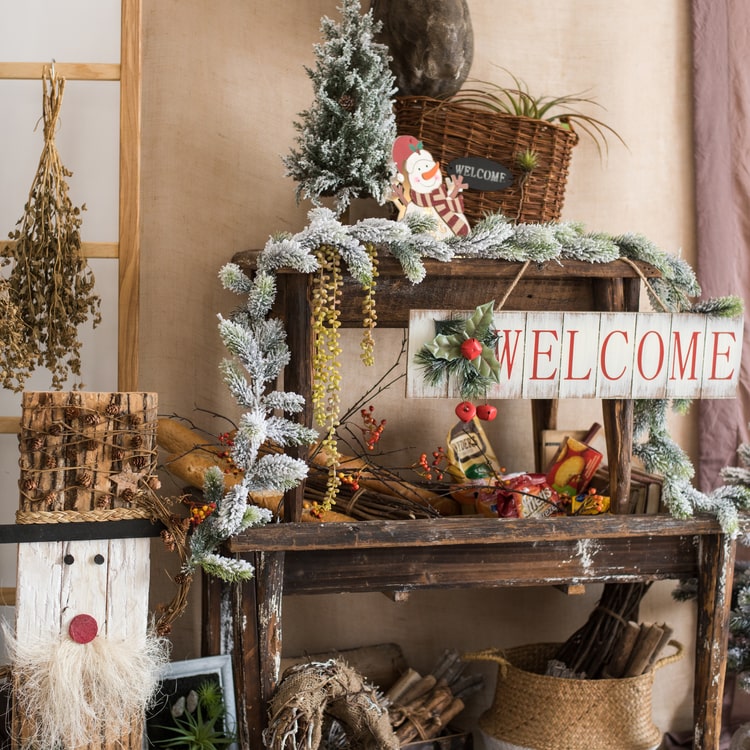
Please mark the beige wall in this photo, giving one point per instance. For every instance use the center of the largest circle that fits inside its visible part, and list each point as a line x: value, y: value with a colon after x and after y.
x: 223, y: 83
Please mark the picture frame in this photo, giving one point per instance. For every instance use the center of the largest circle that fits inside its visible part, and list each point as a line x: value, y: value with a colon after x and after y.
x: 178, y: 679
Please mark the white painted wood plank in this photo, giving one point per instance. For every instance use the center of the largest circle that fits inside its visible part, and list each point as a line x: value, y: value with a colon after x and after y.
x: 616, y: 355
x: 511, y: 329
x: 421, y: 331
x: 128, y: 566
x: 723, y: 357
x: 38, y: 584
x: 543, y: 354
x: 84, y: 583
x: 580, y: 346
x: 686, y: 355
x: 650, y: 370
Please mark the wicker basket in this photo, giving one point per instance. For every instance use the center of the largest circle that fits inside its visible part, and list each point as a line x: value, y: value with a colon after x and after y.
x: 532, y: 711
x: 451, y: 130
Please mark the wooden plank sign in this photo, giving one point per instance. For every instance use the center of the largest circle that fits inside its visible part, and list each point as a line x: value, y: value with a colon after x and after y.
x: 597, y: 355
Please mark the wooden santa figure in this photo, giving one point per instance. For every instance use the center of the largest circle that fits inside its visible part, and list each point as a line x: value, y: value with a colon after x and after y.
x: 84, y: 661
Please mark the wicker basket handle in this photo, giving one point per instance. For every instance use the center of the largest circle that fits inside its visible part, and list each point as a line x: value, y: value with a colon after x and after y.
x: 498, y: 655
x: 490, y: 654
x: 676, y: 656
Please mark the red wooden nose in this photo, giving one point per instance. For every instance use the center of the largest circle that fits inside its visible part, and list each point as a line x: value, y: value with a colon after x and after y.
x: 83, y: 628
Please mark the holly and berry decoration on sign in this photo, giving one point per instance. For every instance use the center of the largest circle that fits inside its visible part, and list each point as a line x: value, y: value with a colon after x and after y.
x: 464, y: 350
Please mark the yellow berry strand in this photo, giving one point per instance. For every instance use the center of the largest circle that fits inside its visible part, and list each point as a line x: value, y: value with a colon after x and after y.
x: 369, y: 314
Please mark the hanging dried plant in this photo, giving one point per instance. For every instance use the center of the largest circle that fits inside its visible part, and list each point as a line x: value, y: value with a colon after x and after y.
x: 50, y: 283
x: 14, y: 352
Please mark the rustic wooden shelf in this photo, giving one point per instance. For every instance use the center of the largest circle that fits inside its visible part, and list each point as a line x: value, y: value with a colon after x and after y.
x: 394, y: 556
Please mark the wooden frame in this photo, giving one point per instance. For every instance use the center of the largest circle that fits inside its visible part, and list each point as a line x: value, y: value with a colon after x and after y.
x: 186, y: 675
x: 127, y: 249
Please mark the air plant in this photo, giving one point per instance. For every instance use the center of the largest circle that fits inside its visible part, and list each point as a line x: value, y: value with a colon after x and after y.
x: 518, y: 101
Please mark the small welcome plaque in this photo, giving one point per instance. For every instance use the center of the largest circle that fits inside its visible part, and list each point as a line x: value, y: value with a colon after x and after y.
x: 598, y: 355
x: 481, y: 174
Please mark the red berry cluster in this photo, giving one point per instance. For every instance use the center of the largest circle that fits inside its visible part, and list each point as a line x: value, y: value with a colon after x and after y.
x: 466, y: 411
x: 350, y: 479
x: 372, y: 429
x: 199, y: 513
x: 429, y: 469
x: 225, y: 438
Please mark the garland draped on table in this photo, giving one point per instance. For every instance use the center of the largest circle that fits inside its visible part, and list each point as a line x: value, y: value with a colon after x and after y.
x: 497, y: 237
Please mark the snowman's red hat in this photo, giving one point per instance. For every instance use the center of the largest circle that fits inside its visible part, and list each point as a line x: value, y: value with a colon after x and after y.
x: 403, y: 147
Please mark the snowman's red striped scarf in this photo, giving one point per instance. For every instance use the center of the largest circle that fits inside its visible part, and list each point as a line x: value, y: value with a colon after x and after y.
x: 450, y: 210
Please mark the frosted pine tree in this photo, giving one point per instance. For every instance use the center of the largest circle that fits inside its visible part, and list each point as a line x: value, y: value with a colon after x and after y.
x: 259, y: 353
x: 345, y: 138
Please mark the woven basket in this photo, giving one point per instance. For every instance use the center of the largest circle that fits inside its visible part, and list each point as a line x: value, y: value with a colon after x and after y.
x: 451, y: 130
x: 532, y: 711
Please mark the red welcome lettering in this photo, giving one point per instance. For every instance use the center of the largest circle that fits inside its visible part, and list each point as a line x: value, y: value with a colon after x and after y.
x: 715, y: 354
x: 678, y: 360
x: 603, y: 355
x: 660, y: 359
x: 504, y: 354
x: 538, y: 353
x: 571, y: 356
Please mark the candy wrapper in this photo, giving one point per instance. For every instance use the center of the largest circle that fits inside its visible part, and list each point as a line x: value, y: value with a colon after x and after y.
x: 530, y: 496
x: 573, y: 467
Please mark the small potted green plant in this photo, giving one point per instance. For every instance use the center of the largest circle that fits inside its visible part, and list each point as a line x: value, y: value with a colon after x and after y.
x: 200, y: 721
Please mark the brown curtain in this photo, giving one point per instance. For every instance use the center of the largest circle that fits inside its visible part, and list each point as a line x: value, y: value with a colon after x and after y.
x: 721, y: 75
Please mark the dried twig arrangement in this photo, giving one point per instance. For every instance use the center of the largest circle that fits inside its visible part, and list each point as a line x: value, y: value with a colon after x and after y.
x: 50, y: 282
x: 589, y: 650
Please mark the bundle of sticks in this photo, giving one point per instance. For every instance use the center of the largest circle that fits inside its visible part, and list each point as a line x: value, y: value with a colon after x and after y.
x: 422, y: 706
x: 637, y: 649
x: 591, y: 648
x: 366, y: 504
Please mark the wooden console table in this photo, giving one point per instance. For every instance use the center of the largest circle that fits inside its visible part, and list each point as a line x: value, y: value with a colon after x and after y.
x: 459, y: 552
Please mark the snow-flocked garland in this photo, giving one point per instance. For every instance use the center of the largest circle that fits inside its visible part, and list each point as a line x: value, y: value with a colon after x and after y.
x: 257, y: 343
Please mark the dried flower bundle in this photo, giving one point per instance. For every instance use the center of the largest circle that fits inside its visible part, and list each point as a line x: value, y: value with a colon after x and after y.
x: 50, y: 283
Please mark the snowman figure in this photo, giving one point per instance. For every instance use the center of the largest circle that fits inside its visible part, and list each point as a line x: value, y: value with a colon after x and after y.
x: 420, y: 188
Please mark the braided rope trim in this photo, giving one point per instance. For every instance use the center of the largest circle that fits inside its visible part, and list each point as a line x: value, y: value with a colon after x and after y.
x: 79, y: 516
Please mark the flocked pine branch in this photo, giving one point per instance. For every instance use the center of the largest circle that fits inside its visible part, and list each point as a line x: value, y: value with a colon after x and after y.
x: 411, y: 242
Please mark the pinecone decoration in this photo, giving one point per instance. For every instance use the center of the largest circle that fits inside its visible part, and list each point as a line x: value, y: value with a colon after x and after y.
x: 347, y: 103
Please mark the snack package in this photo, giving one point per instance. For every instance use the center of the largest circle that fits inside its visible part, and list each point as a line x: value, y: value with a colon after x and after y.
x: 472, y: 465
x: 573, y: 467
x: 530, y: 496
x: 589, y: 504
x: 470, y: 455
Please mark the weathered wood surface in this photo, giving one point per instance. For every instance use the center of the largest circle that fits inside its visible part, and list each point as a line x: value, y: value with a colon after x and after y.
x: 51, y: 591
x: 568, y: 285
x: 714, y: 604
x: 459, y: 530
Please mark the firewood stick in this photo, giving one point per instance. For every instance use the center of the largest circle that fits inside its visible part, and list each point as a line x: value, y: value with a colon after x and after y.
x: 622, y: 650
x: 449, y: 658
x: 402, y: 684
x: 450, y: 713
x: 667, y: 633
x: 467, y: 685
x: 418, y: 689
x: 648, y: 640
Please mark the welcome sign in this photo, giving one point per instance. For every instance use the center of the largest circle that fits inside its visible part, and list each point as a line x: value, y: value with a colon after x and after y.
x: 598, y: 355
